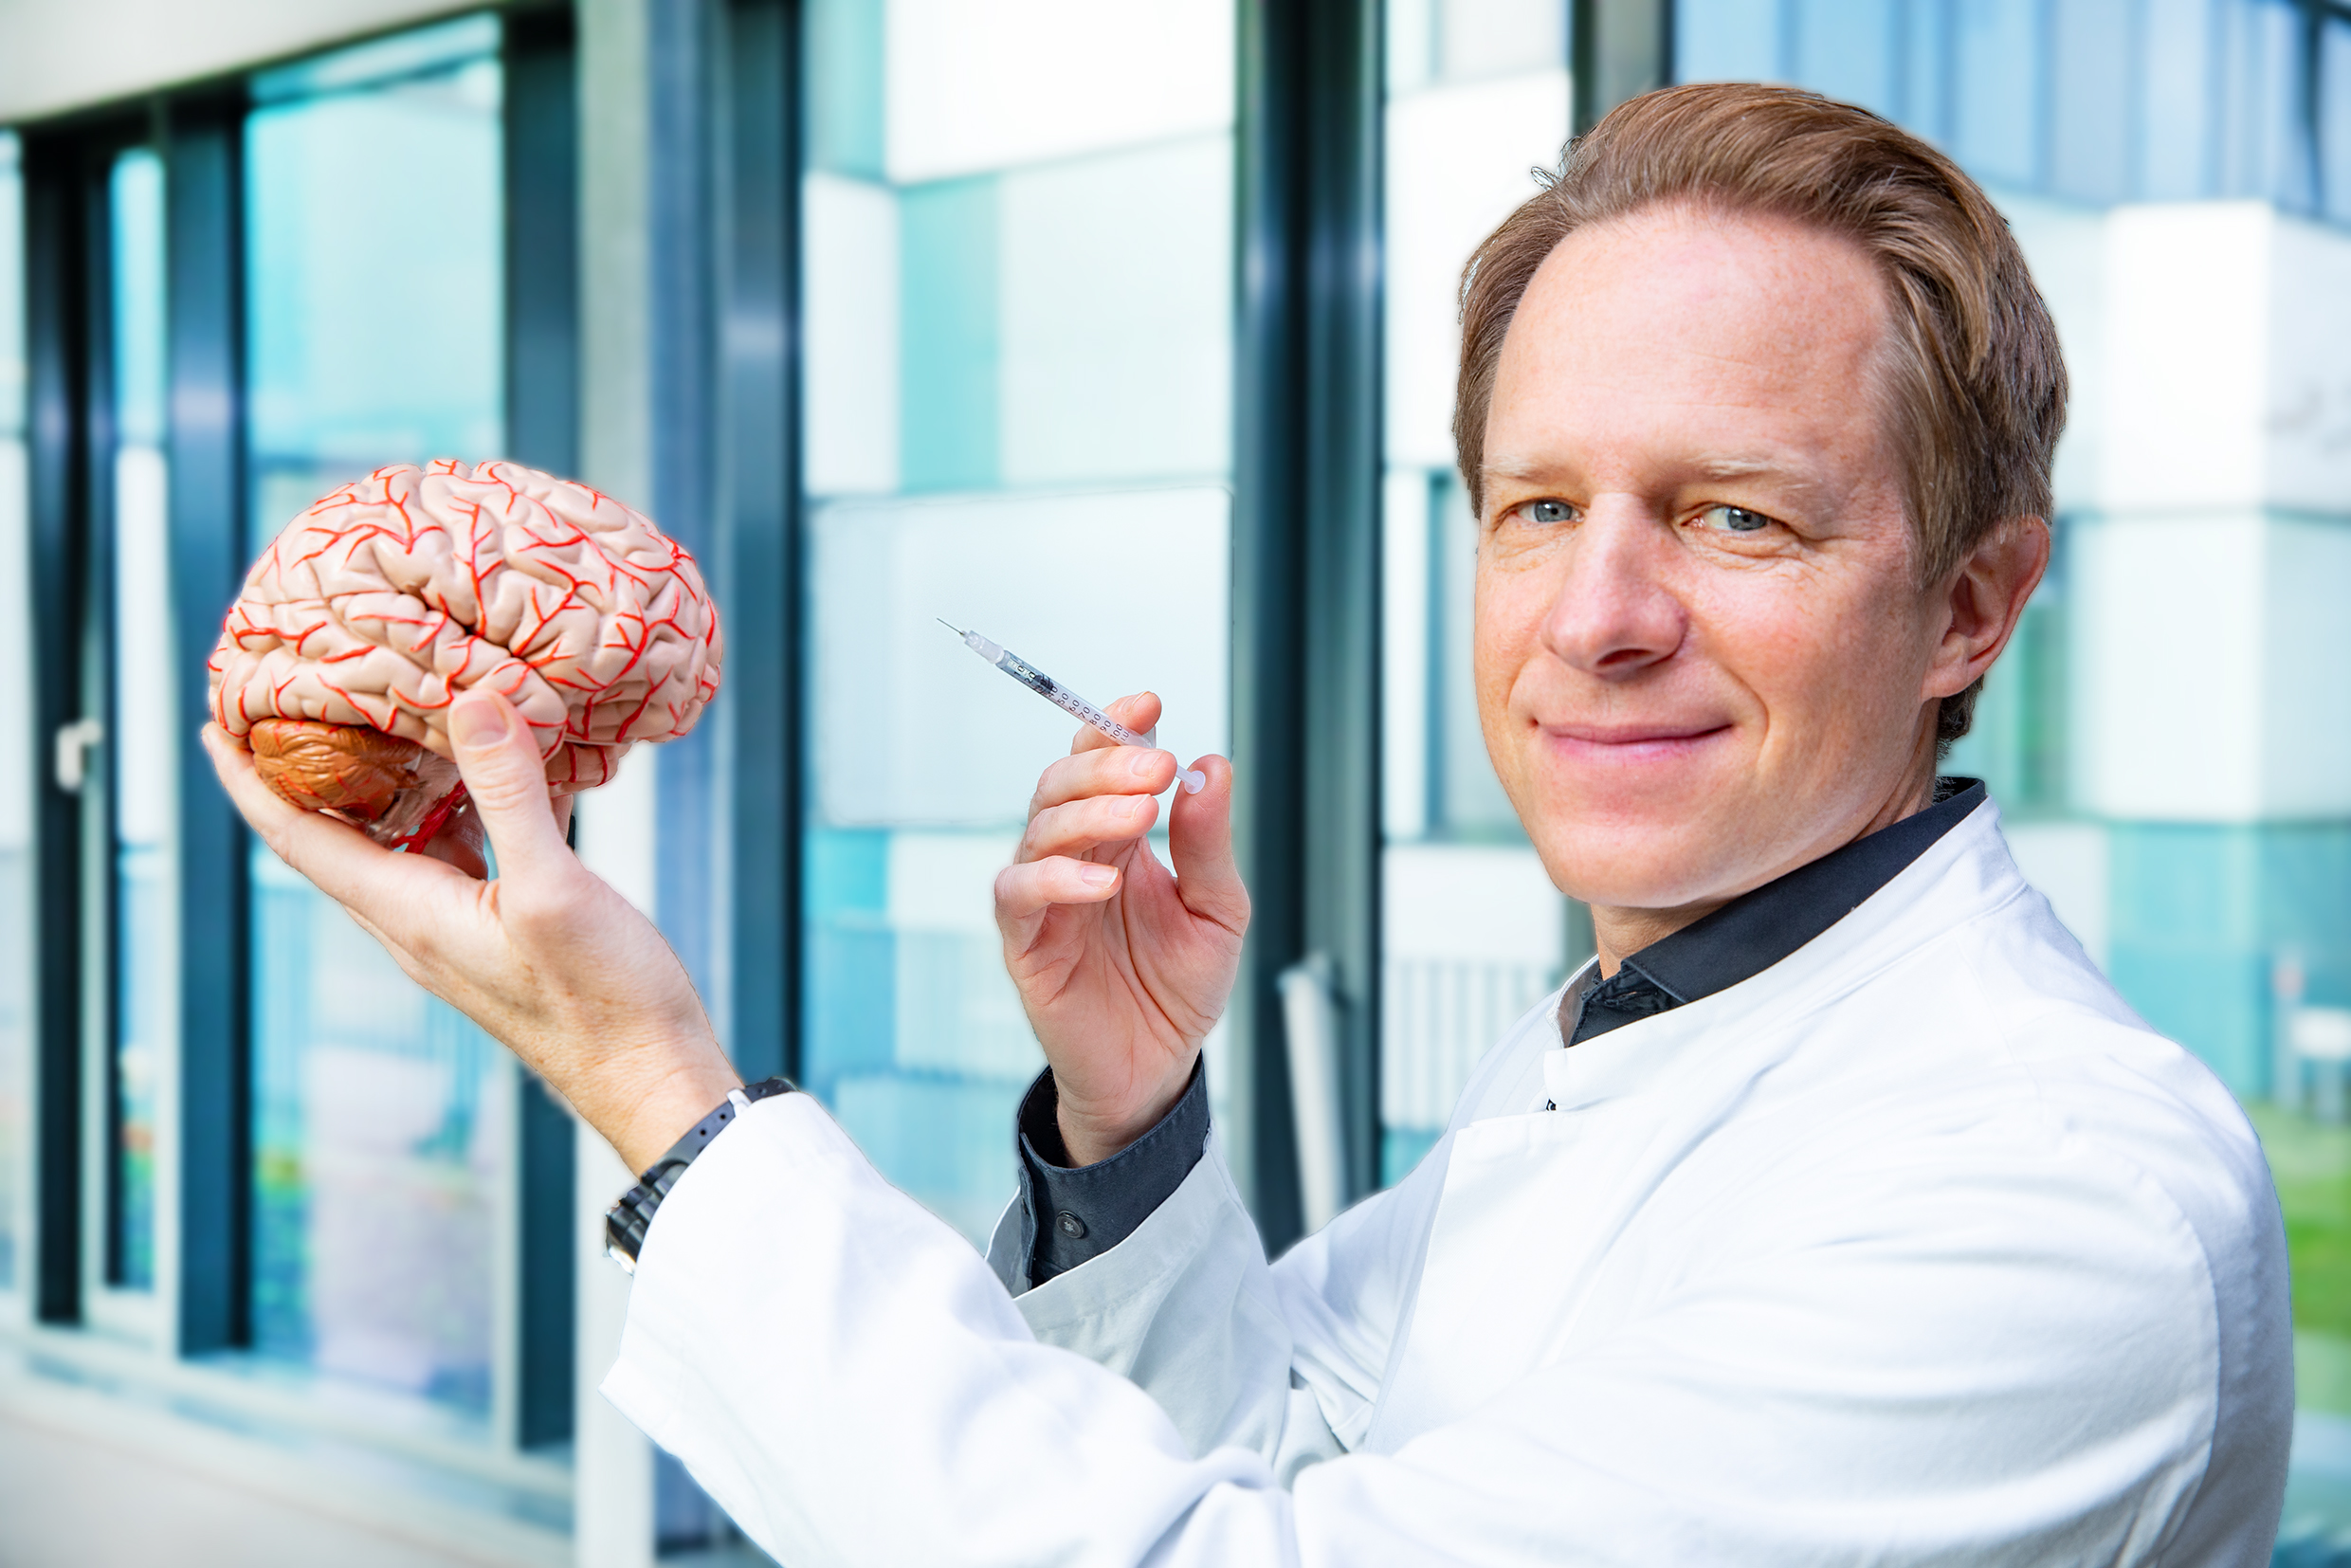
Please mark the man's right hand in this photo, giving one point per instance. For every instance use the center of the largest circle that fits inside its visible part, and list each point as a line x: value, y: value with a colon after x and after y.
x: 1123, y: 964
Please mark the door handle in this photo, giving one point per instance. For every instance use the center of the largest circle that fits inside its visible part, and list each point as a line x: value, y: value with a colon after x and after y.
x: 70, y: 759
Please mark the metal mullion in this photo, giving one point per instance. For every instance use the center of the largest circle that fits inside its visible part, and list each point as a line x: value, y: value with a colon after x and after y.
x: 1305, y: 553
x: 101, y: 972
x: 205, y: 438
x: 760, y: 545
x: 542, y: 429
x: 55, y: 312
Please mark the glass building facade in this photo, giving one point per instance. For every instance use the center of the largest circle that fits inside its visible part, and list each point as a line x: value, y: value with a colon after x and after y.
x: 1019, y: 261
x: 1014, y: 292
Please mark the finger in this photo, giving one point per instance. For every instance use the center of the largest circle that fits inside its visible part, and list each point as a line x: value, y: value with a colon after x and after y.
x: 1026, y: 892
x: 462, y: 843
x: 500, y: 765
x: 1084, y: 825
x: 1139, y: 713
x: 1199, y: 848
x: 1114, y: 770
x: 338, y: 858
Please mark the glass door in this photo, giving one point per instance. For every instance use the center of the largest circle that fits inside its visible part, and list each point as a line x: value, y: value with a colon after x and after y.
x: 1018, y: 264
x: 1473, y: 930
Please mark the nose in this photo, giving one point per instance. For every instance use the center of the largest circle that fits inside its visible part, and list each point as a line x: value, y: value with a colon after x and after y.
x: 1615, y: 614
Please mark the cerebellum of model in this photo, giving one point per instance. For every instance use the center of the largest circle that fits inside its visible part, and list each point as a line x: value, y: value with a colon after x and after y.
x: 373, y: 610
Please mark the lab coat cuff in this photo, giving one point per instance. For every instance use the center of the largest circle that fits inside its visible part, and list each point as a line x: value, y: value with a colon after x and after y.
x: 1072, y: 1215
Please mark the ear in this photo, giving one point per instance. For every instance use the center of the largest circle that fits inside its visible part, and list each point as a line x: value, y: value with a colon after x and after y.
x: 1981, y: 602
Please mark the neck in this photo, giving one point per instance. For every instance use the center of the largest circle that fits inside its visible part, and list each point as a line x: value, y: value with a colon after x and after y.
x: 1618, y: 931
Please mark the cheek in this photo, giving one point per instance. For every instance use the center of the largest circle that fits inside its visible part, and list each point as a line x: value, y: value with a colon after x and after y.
x: 1507, y: 624
x: 1821, y: 662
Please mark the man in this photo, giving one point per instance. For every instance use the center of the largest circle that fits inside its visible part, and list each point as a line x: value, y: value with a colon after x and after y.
x: 1839, y: 1211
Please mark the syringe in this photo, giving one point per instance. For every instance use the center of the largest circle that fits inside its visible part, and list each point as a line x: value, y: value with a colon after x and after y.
x: 1020, y: 669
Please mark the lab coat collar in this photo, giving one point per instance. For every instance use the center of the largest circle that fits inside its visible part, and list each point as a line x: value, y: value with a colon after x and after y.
x: 1963, y: 875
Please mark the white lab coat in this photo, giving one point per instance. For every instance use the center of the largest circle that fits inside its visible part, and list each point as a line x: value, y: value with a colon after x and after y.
x: 1916, y: 1248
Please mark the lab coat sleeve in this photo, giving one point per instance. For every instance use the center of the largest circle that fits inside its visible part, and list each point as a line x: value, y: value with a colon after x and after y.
x: 1184, y: 1308
x: 1285, y: 1360
x: 846, y: 1379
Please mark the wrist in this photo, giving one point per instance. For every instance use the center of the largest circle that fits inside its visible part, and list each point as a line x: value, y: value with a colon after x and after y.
x: 642, y: 1115
x: 1091, y: 1134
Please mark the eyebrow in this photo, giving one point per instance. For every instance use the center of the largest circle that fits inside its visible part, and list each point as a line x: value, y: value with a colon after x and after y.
x: 1705, y: 466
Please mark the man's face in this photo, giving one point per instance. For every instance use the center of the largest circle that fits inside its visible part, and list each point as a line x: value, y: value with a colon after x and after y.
x: 1700, y: 645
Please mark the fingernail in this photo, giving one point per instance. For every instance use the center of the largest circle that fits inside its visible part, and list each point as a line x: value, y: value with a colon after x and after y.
x: 1097, y: 876
x: 1141, y: 764
x: 477, y: 722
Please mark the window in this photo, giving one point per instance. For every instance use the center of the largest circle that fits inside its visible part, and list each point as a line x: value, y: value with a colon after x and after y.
x: 1018, y: 254
x: 1473, y: 931
x: 383, y: 1120
x: 139, y: 794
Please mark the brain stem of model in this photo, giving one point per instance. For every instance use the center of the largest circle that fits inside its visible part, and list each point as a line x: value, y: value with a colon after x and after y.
x: 376, y: 608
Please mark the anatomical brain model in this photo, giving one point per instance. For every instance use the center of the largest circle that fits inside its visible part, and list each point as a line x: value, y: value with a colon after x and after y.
x: 377, y: 606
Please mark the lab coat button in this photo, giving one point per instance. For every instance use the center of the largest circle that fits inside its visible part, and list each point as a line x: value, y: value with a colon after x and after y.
x: 1070, y: 1225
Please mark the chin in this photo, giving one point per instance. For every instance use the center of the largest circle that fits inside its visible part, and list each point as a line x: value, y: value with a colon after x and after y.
x: 1665, y: 873
x: 1647, y: 849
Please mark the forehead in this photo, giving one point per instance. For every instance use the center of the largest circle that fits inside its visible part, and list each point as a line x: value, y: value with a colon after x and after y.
x: 1679, y: 332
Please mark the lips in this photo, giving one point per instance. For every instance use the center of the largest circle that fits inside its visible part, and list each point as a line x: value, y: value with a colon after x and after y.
x: 1632, y: 743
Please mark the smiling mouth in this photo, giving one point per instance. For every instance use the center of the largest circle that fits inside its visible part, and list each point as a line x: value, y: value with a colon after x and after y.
x: 1621, y: 737
x: 1630, y: 749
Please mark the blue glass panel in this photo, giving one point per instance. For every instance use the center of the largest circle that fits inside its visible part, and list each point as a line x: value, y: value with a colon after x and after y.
x: 2089, y: 103
x: 2265, y: 151
x: 382, y: 1122
x: 1926, y: 68
x: 1729, y: 40
x: 845, y: 91
x: 2334, y: 119
x: 950, y: 347
x: 374, y: 241
x: 1850, y: 49
x: 2202, y: 913
x: 1997, y: 123
x: 380, y: 1135
x: 2177, y: 150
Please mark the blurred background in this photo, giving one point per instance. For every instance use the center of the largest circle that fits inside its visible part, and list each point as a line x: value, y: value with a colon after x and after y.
x: 1122, y: 329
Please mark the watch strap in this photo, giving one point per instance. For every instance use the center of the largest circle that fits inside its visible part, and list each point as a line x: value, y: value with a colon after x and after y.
x: 626, y: 1222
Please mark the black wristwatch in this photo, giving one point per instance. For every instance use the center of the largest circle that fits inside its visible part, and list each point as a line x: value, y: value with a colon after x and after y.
x: 625, y: 1223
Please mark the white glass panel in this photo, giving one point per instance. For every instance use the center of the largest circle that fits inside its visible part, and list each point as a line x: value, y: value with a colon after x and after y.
x: 381, y: 1125
x: 978, y: 87
x: 1019, y: 410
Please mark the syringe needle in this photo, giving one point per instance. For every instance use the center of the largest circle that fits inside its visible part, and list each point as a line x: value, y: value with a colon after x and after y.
x: 1193, y: 779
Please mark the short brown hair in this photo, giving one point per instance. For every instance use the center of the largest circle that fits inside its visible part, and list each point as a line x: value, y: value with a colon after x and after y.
x: 1975, y: 386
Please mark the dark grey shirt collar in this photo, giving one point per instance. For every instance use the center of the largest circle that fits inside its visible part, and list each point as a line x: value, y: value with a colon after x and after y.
x: 1756, y: 930
x: 1073, y: 1214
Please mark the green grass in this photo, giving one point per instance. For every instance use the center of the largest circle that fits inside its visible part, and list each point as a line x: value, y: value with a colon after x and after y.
x: 2311, y: 1164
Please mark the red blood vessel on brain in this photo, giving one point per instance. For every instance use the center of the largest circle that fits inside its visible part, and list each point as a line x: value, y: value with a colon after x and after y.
x: 373, y: 610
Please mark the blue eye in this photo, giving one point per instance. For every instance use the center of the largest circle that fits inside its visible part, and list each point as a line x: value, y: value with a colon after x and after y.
x: 1548, y: 511
x: 1736, y: 519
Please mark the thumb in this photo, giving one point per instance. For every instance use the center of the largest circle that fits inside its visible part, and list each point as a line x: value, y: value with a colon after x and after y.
x: 1199, y: 843
x: 499, y: 763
